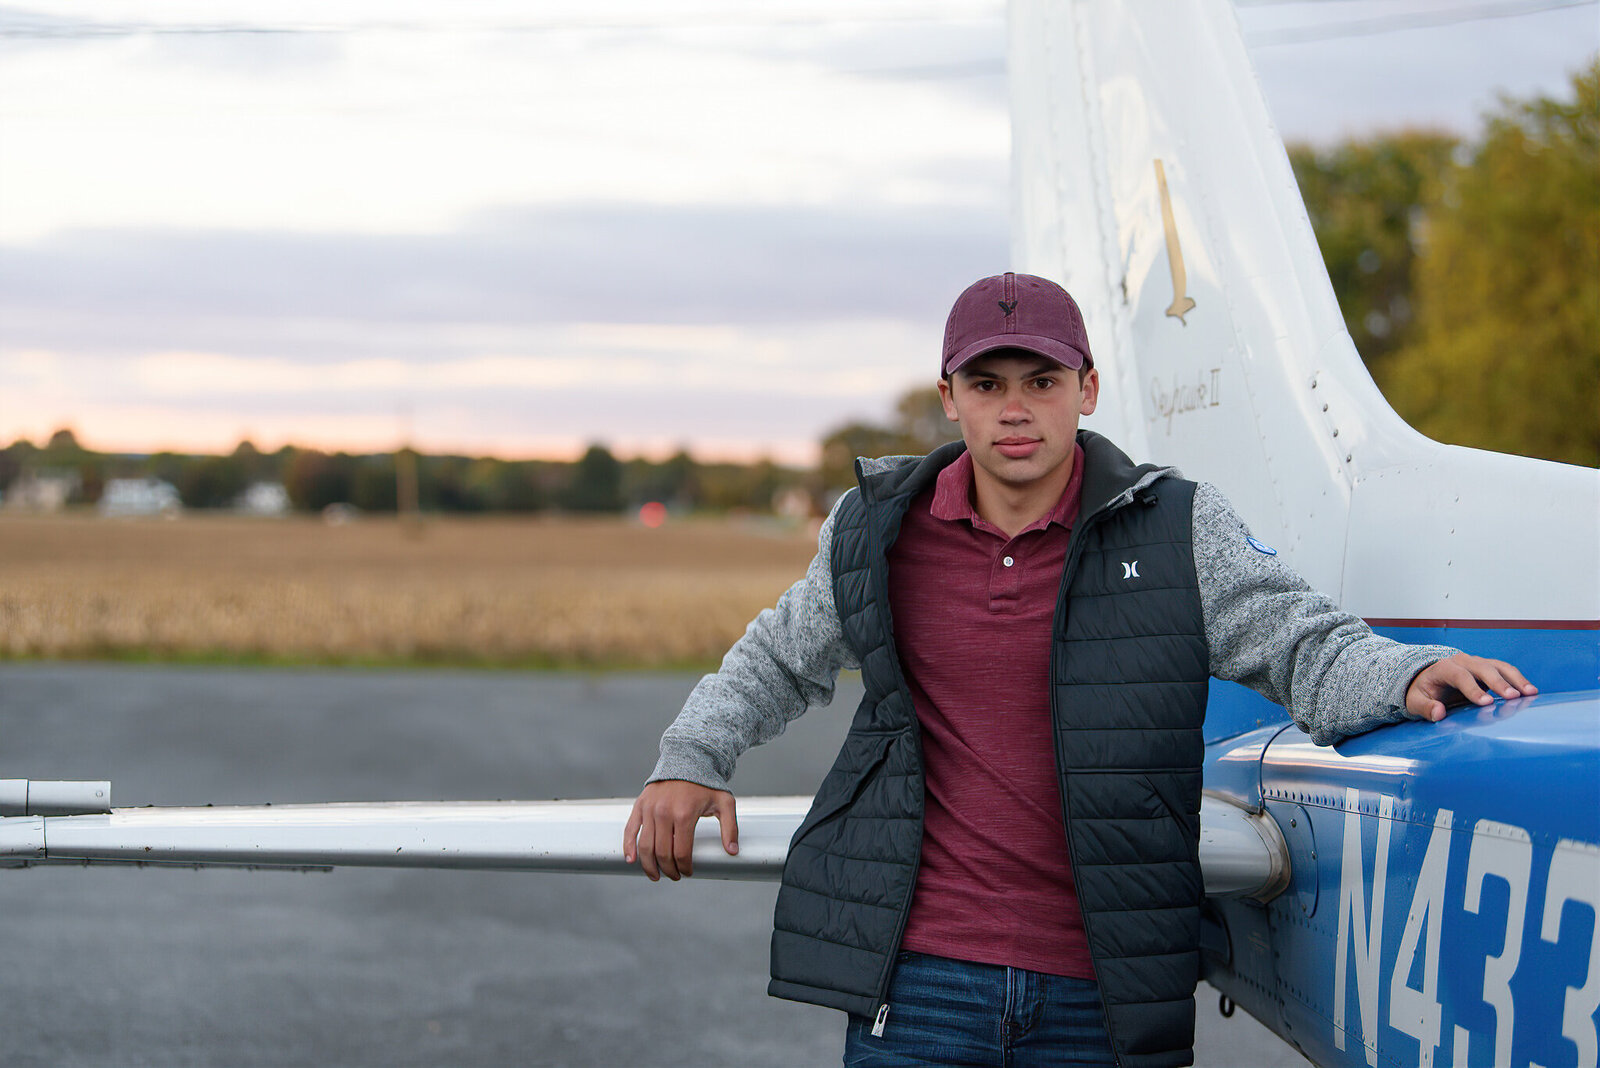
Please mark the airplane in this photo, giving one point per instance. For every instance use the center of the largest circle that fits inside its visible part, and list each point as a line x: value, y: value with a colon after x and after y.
x: 1444, y: 879
x: 1425, y: 893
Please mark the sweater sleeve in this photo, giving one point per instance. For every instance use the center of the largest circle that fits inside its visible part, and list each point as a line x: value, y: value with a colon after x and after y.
x: 787, y: 661
x: 1270, y: 631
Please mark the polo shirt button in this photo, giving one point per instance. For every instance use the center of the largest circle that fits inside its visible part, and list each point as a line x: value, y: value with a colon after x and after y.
x: 1008, y: 561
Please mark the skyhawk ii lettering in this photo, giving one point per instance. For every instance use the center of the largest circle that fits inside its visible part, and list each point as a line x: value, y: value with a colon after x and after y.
x: 1180, y: 396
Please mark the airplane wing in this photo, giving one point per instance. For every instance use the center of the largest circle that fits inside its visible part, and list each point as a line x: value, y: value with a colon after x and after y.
x: 73, y: 823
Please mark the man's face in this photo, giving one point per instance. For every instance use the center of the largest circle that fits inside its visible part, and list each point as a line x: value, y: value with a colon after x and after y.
x: 1019, y: 416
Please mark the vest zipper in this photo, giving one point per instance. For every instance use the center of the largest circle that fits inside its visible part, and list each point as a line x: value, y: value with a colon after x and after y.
x: 916, y: 869
x: 879, y: 551
x: 1068, y: 569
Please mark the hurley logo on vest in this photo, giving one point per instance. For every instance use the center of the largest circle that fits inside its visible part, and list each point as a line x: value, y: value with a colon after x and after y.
x: 1130, y: 570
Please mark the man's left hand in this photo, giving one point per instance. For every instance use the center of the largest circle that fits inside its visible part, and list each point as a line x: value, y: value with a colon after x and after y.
x: 1463, y: 678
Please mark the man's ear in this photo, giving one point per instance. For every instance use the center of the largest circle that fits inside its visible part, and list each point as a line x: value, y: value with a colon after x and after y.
x: 1091, y: 392
x: 948, y: 400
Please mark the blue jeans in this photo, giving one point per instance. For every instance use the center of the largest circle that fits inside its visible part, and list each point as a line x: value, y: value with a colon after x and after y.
x: 955, y: 1012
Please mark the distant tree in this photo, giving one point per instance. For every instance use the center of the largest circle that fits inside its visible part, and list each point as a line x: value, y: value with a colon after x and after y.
x: 1508, y: 296
x: 674, y: 481
x: 407, y: 465
x: 373, y: 487
x: 444, y: 484
x: 279, y: 461
x: 723, y: 487
x: 91, y: 478
x: 167, y: 466
x: 522, y: 486
x: 727, y: 487
x: 315, y: 479
x: 641, y: 480
x: 62, y: 453
x: 14, y: 458
x: 764, y: 479
x: 681, y: 475
x: 1367, y: 200
x: 919, y: 426
x: 253, y: 464
x: 212, y: 481
x: 921, y: 423
x: 63, y: 443
x: 843, y: 444
x: 495, y: 485
x: 596, y: 484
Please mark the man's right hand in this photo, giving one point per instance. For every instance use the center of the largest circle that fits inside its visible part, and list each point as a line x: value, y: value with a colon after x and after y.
x: 660, y: 831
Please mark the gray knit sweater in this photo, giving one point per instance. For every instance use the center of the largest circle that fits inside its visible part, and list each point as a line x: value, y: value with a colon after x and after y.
x: 1265, y: 628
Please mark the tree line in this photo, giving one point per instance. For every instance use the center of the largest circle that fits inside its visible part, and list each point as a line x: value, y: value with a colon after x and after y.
x: 313, y: 479
x: 1469, y: 272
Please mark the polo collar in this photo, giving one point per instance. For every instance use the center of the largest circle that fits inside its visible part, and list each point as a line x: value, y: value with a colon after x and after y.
x: 952, y: 494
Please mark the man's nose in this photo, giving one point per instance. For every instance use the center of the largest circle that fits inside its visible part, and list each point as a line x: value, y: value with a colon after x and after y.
x: 1014, y: 411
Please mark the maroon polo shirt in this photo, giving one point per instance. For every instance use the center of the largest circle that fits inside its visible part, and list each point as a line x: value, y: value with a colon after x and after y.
x: 972, y: 614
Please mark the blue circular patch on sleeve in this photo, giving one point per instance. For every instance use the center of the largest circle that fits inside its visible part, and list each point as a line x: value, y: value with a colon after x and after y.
x: 1261, y: 547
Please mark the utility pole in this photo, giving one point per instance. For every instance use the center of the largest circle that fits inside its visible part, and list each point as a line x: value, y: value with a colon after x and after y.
x: 407, y: 503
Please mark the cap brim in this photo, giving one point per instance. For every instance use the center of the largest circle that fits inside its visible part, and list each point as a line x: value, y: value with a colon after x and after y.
x: 1048, y: 347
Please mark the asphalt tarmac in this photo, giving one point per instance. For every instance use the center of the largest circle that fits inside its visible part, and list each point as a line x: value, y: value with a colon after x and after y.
x: 126, y: 966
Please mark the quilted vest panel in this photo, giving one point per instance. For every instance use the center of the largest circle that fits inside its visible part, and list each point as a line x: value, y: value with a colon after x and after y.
x: 1129, y: 692
x: 852, y: 863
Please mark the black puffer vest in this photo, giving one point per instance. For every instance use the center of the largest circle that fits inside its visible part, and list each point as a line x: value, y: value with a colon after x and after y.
x: 1129, y: 670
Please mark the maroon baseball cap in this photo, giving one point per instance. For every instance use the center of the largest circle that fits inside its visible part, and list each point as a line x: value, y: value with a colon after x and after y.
x: 1015, y: 311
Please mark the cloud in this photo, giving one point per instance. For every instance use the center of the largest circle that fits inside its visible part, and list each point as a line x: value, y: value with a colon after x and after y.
x: 136, y: 290
x: 738, y: 330
x: 394, y: 131
x: 1437, y: 77
x: 962, y: 56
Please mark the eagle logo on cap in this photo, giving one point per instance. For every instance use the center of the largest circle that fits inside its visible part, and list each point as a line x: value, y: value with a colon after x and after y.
x: 1008, y: 306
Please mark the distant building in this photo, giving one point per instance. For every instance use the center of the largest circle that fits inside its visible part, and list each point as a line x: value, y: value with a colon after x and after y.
x: 140, y: 496
x: 264, y: 498
x: 339, y: 513
x: 42, y: 491
x: 792, y: 503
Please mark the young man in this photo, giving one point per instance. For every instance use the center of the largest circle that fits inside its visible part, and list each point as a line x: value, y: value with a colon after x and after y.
x: 1000, y: 867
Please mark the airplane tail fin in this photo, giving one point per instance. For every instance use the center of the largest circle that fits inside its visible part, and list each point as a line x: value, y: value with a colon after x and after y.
x: 1150, y: 181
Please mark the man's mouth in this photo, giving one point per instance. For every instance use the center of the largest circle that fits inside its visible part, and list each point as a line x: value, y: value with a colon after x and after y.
x: 1017, y: 448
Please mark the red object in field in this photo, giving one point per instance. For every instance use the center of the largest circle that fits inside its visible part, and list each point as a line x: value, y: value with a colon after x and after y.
x: 652, y: 514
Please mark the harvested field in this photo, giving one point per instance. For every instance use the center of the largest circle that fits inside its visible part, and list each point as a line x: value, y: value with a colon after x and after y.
x: 507, y: 592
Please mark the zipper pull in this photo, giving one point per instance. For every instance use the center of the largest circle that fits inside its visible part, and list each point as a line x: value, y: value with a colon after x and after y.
x: 883, y: 1017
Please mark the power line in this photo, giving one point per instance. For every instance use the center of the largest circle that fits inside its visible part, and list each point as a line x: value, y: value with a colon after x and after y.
x: 744, y: 18
x: 1412, y: 20
x: 728, y: 18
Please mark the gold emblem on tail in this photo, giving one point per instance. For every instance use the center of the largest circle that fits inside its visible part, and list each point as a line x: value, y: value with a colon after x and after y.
x: 1181, y: 303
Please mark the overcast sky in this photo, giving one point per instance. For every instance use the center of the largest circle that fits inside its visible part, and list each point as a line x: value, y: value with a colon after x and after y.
x: 516, y: 228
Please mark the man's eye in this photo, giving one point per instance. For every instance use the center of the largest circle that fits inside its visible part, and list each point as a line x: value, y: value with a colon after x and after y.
x: 1044, y: 383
